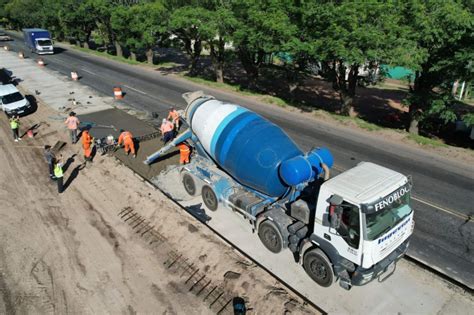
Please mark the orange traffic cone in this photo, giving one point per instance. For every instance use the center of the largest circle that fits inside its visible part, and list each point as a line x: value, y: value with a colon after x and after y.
x: 74, y: 76
x: 41, y: 62
x: 118, y: 94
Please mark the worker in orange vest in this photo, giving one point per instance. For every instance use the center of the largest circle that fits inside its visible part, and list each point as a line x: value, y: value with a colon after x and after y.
x: 173, y: 115
x: 184, y: 152
x: 127, y: 139
x: 87, y: 141
x: 167, y: 129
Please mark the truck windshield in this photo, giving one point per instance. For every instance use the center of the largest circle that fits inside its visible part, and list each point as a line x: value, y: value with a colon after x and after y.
x: 44, y: 42
x: 12, y: 98
x: 382, y: 221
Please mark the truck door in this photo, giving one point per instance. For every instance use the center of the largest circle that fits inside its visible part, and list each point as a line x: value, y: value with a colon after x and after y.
x: 347, y: 232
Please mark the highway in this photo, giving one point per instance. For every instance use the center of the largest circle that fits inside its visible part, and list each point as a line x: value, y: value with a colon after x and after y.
x: 443, y: 193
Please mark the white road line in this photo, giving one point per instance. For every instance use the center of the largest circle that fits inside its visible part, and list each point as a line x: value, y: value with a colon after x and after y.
x: 131, y: 88
x: 446, y: 210
x: 82, y: 69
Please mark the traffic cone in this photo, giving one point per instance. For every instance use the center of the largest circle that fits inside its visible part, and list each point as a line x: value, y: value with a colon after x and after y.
x: 118, y: 94
x: 74, y: 76
x: 21, y: 55
x: 41, y: 62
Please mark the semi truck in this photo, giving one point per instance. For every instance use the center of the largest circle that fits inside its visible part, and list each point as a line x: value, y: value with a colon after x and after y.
x: 352, y: 228
x: 38, y: 41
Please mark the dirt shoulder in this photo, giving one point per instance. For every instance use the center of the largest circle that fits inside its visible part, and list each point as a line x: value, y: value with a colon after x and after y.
x: 111, y: 243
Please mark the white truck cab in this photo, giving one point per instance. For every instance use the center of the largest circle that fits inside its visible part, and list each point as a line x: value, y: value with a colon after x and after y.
x: 12, y: 102
x: 363, y: 222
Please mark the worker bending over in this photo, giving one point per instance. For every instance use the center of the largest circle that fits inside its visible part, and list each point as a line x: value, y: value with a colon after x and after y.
x: 127, y: 139
x: 184, y: 152
x: 173, y: 115
x: 87, y: 141
x: 167, y: 130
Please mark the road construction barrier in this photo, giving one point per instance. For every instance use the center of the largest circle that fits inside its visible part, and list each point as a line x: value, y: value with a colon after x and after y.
x: 74, y: 76
x: 118, y: 94
x: 21, y: 55
x: 40, y: 62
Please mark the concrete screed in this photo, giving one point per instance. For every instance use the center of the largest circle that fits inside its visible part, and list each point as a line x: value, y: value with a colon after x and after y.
x: 409, y: 290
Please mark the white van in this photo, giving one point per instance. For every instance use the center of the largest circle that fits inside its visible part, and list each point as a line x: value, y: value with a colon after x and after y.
x: 12, y: 102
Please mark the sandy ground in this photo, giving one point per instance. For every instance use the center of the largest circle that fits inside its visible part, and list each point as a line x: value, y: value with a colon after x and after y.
x: 111, y: 244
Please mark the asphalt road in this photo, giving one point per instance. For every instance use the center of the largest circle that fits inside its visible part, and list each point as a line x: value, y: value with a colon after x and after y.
x: 443, y: 193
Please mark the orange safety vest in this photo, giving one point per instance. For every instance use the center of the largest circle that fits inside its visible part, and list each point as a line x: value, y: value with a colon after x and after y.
x: 174, y: 115
x: 125, y: 136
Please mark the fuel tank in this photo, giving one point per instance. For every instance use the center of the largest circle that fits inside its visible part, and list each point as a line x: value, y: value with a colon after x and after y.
x: 253, y: 150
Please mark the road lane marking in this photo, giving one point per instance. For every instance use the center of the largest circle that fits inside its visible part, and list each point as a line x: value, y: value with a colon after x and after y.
x: 467, y: 218
x: 134, y: 89
x: 90, y: 72
x: 463, y: 216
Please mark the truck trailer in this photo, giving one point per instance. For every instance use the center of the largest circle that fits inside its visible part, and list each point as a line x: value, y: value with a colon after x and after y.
x: 38, y: 41
x: 352, y: 228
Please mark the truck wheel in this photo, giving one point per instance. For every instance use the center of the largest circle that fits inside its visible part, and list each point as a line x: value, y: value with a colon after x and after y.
x: 318, y: 266
x: 209, y: 198
x: 189, y: 184
x: 270, y: 236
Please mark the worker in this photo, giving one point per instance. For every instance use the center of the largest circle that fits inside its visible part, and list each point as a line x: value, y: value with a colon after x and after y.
x: 72, y: 123
x: 58, y: 173
x: 167, y: 130
x: 15, y: 125
x: 87, y: 141
x: 49, y: 157
x: 173, y: 116
x: 127, y: 139
x: 184, y: 152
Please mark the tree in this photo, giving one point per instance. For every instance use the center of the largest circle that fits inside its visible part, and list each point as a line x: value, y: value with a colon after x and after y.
x: 191, y: 27
x: 348, y: 35
x: 263, y: 28
x: 443, y: 33
x: 148, y: 22
x: 80, y: 19
x: 224, y: 24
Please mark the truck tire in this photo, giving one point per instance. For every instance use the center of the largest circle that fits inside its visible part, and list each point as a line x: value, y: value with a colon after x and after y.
x: 209, y: 198
x: 318, y: 266
x: 189, y: 184
x: 270, y: 236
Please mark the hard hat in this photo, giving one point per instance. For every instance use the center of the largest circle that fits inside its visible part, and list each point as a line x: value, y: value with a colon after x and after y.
x: 164, y: 120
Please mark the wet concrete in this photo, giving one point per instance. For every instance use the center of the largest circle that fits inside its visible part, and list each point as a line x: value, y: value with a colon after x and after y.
x: 101, y: 123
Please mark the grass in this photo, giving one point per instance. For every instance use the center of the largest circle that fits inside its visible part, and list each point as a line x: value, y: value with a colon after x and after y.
x: 106, y: 55
x: 426, y: 141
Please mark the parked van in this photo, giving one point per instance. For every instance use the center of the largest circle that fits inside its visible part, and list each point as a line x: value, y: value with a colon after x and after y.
x: 12, y: 102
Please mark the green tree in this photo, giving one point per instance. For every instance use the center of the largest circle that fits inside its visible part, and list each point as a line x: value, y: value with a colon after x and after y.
x: 191, y: 27
x: 443, y: 34
x: 149, y: 21
x: 263, y: 28
x: 224, y: 24
x: 349, y: 35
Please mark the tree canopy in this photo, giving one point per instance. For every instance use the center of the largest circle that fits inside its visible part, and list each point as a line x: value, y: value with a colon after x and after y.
x: 434, y: 38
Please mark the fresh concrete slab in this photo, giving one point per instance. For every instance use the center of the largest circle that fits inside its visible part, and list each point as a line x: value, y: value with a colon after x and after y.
x: 59, y: 92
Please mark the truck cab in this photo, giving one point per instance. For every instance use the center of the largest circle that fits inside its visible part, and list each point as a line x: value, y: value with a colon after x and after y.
x: 38, y: 41
x: 362, y: 226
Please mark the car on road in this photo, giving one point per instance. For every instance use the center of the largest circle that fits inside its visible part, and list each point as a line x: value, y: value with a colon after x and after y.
x: 12, y: 102
x: 4, y: 37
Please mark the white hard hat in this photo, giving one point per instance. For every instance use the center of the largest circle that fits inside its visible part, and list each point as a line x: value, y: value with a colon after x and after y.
x: 164, y: 120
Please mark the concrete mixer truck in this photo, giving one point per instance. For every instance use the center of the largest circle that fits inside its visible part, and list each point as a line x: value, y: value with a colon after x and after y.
x: 352, y: 228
